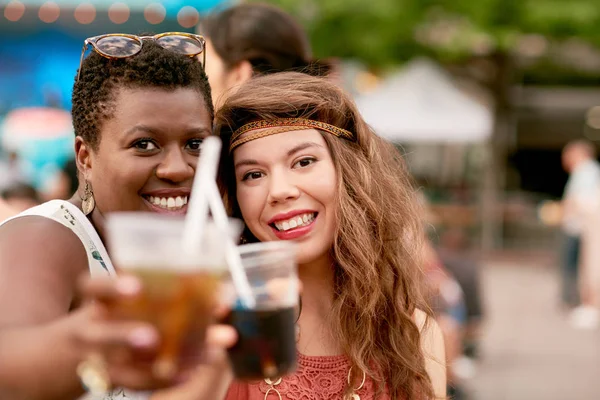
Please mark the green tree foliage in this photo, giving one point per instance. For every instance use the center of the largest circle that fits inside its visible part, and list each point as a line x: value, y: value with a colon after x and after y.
x: 387, y: 32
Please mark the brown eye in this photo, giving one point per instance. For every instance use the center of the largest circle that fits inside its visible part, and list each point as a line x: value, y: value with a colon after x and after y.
x: 305, y: 162
x: 145, y: 145
x: 251, y: 176
x: 194, y: 144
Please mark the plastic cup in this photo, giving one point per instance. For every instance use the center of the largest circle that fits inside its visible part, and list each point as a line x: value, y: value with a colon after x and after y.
x: 180, y: 288
x: 266, y: 347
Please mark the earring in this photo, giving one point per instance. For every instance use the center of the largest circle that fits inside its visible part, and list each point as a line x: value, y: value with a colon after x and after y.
x: 88, y: 202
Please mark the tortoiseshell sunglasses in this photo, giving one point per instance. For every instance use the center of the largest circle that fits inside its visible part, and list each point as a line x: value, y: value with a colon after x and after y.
x: 123, y: 45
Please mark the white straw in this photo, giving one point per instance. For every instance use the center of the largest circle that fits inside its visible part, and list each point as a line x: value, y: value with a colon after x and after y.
x: 197, y: 213
x: 205, y: 196
x: 238, y: 275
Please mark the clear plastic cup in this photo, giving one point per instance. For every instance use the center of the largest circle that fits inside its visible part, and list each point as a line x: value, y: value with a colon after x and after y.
x: 266, y: 347
x: 180, y: 288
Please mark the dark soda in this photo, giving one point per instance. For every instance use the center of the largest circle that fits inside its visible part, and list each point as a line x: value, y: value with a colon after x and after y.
x: 266, y: 347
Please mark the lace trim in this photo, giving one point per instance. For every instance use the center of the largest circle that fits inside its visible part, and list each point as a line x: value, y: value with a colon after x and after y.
x: 317, y: 378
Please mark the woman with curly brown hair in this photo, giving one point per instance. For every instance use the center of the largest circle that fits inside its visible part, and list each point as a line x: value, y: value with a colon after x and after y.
x: 299, y: 163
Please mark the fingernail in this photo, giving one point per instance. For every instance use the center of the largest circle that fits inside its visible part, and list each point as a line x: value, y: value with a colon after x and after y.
x: 143, y: 337
x: 128, y: 285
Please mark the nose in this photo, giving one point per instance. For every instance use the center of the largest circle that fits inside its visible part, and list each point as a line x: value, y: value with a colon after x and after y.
x: 282, y: 188
x: 175, y: 167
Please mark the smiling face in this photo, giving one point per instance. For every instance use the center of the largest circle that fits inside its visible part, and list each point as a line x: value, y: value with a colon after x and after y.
x: 148, y: 151
x: 286, y: 190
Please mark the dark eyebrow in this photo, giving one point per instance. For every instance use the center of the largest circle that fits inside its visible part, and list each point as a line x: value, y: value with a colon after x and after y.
x: 204, y: 132
x: 246, y: 162
x: 193, y: 131
x: 141, y: 127
x: 291, y: 152
x: 302, y: 146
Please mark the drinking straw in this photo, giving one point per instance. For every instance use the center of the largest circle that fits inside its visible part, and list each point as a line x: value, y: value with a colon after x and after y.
x: 205, y: 197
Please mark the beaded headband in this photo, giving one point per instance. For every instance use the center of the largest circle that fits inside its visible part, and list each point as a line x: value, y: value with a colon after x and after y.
x: 283, y: 125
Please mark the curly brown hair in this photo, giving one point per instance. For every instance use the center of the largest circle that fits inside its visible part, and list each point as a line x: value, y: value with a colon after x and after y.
x: 377, y: 249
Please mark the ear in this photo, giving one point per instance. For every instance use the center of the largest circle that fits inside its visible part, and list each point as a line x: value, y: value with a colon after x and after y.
x: 241, y: 72
x: 83, y: 157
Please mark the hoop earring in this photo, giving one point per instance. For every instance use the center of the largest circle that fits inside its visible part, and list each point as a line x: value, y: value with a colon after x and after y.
x: 88, y: 202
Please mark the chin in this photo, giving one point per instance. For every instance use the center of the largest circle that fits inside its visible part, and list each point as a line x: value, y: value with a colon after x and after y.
x: 308, y: 253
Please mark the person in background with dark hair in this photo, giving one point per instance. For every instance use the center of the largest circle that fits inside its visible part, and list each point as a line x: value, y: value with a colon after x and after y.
x: 251, y: 39
x: 139, y: 122
x: 64, y: 184
x: 20, y: 196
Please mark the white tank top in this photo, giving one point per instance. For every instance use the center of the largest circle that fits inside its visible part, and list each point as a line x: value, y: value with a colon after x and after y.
x: 99, y: 263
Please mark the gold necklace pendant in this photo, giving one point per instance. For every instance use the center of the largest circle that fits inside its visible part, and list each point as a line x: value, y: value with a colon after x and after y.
x: 273, y: 389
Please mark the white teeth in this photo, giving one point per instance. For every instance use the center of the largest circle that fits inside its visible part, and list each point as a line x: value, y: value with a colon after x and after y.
x: 299, y: 221
x: 168, y: 202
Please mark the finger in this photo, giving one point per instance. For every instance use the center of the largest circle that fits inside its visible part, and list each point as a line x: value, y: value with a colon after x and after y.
x: 108, y: 290
x: 106, y: 335
x: 221, y: 336
x: 222, y: 310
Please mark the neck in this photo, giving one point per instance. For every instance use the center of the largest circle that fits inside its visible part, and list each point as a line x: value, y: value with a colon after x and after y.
x: 317, y: 286
x: 316, y: 337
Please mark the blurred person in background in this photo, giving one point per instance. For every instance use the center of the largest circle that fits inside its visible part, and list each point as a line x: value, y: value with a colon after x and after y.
x: 581, y: 198
x: 139, y: 122
x: 6, y: 211
x: 445, y: 296
x: 455, y: 254
x: 64, y: 184
x: 254, y: 39
x: 20, y: 196
x: 11, y: 170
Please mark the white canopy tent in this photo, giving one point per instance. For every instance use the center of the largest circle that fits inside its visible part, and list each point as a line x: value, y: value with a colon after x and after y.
x: 422, y: 104
x: 422, y: 107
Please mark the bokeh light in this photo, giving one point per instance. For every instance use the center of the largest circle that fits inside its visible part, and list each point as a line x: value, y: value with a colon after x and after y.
x: 118, y: 13
x: 188, y: 17
x: 85, y: 13
x: 14, y: 11
x: 593, y: 117
x: 49, y: 12
x: 155, y: 13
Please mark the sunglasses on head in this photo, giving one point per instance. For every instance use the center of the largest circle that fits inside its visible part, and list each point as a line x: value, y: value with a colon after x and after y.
x: 123, y: 45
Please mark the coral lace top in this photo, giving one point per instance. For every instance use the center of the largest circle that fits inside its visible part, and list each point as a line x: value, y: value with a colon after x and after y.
x: 317, y: 378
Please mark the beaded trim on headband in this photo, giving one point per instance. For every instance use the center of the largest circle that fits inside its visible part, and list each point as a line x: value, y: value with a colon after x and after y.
x: 283, y: 125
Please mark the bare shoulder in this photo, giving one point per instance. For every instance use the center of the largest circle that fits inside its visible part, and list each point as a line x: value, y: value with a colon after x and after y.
x: 40, y: 262
x: 432, y: 346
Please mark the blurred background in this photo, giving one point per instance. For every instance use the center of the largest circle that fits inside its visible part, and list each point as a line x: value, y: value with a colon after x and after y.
x: 481, y: 96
